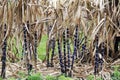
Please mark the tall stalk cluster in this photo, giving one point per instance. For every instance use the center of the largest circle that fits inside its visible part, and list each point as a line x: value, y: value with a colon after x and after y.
x: 66, y: 62
x: 3, y: 59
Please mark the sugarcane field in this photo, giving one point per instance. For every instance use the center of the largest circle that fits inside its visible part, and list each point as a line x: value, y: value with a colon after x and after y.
x: 59, y: 39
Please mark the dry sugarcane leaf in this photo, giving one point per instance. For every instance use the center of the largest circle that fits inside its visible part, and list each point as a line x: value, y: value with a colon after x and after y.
x: 97, y: 28
x: 52, y: 30
x: 40, y: 33
x: 117, y: 29
x: 18, y: 12
x: 84, y: 27
x: 1, y: 13
x: 10, y: 16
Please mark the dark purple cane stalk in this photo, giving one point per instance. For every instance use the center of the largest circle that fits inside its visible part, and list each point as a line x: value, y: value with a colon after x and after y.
x: 3, y: 59
x: 48, y: 53
x: 29, y: 44
x: 25, y: 47
x: 60, y: 56
x: 35, y: 53
x: 68, y: 48
x: 64, y: 49
x: 53, y: 51
x: 96, y: 65
x: 75, y: 47
x: 102, y: 54
x: 25, y: 39
x: 96, y: 61
x: 74, y: 56
x: 75, y: 41
x: 68, y: 53
x: 78, y: 43
x: 49, y: 46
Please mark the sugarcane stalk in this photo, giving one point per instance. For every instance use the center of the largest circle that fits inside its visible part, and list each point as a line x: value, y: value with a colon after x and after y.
x: 53, y: 51
x: 3, y: 59
x: 68, y: 53
x: 25, y: 48
x: 29, y: 43
x: 75, y: 42
x: 96, y: 59
x: 48, y: 46
x: 64, y: 49
x: 75, y: 47
x: 60, y: 56
x: 68, y: 48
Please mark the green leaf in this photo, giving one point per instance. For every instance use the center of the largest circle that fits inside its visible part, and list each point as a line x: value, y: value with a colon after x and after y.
x: 48, y: 77
x: 35, y: 77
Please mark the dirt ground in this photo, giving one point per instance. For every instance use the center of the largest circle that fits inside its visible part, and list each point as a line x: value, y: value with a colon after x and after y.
x: 79, y: 71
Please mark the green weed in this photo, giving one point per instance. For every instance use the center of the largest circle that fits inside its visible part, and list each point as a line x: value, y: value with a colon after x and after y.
x: 12, y: 79
x: 48, y: 77
x: 1, y: 78
x: 116, y: 73
x: 36, y: 76
x: 42, y: 48
x: 92, y: 77
x: 62, y: 77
